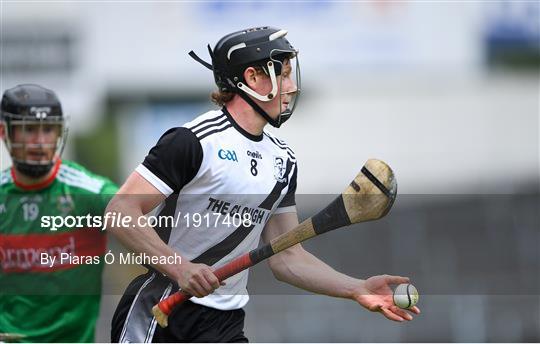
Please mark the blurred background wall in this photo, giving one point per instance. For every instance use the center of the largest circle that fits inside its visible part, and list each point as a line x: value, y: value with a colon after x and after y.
x: 447, y: 93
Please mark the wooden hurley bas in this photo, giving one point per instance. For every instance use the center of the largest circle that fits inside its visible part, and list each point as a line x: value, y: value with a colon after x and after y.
x: 368, y: 197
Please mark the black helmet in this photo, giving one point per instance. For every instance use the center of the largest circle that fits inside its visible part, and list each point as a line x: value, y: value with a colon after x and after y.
x: 264, y: 47
x: 30, y: 104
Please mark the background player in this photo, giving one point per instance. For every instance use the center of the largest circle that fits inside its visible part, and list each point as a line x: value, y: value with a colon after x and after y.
x: 57, y: 303
x: 225, y: 163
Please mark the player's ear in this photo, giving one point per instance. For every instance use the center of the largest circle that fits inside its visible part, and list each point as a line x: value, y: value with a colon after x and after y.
x: 251, y: 77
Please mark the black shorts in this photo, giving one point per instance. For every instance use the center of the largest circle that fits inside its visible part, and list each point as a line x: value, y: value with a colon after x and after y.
x: 188, y: 322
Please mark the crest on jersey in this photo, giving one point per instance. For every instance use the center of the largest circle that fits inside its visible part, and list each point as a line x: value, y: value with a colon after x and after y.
x: 280, y: 167
x: 65, y: 204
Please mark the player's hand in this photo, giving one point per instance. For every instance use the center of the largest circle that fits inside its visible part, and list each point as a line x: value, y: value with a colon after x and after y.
x: 376, y: 295
x: 197, y: 279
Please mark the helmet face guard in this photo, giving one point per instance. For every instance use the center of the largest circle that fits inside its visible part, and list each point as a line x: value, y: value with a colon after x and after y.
x: 36, y: 135
x: 263, y: 47
x: 289, y: 97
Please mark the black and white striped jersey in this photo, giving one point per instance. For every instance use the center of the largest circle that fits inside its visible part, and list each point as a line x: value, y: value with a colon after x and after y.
x: 216, y: 174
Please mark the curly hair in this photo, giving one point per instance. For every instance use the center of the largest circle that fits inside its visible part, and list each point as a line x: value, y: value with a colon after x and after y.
x: 221, y: 97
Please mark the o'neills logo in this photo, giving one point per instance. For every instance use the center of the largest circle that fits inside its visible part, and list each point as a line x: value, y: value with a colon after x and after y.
x: 255, y: 155
x: 23, y: 253
x: 22, y: 259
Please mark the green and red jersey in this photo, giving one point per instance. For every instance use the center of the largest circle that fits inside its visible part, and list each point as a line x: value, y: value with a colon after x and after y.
x: 51, y: 302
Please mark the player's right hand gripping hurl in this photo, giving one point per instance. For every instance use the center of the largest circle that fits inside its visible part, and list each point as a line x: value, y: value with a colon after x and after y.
x: 197, y: 279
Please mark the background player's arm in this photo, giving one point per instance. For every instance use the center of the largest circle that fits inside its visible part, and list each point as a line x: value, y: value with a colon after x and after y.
x: 136, y: 198
x: 300, y: 268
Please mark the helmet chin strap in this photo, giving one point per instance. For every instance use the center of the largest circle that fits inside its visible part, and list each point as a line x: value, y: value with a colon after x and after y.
x: 273, y: 122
